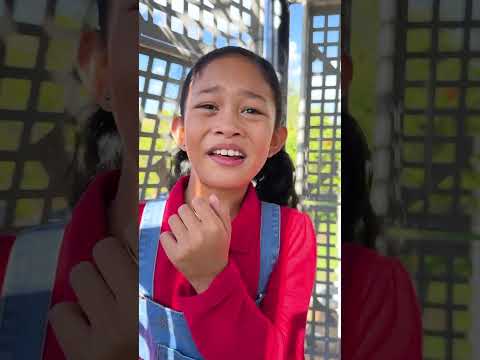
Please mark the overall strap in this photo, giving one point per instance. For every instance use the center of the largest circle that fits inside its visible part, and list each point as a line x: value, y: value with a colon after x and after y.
x: 148, y: 243
x: 26, y: 295
x: 269, y: 245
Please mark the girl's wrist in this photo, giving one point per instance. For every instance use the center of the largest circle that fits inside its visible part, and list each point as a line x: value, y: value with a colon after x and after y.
x: 201, y: 285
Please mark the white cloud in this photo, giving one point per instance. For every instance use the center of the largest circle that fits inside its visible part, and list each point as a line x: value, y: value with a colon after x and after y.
x: 294, y: 67
x: 296, y: 71
x: 294, y: 55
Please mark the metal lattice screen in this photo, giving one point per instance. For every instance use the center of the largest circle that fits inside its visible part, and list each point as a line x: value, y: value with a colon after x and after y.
x: 320, y: 174
x: 39, y: 100
x: 160, y: 78
x: 442, y: 270
x: 436, y: 163
x: 439, y: 88
x: 192, y: 28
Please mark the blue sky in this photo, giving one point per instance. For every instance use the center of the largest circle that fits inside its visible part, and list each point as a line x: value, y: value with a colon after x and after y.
x: 296, y: 29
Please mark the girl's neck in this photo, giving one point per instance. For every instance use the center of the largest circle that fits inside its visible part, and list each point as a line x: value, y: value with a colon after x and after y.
x: 232, y: 198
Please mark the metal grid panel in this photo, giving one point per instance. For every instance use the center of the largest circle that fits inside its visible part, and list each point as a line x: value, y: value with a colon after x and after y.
x: 37, y: 127
x: 322, y: 142
x: 438, y: 83
x: 193, y: 27
x: 160, y: 81
x: 442, y: 274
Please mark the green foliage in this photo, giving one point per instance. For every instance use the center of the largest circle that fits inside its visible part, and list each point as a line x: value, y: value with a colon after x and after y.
x: 293, y: 116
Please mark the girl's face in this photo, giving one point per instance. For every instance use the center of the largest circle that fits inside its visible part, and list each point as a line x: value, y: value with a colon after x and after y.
x: 228, y: 129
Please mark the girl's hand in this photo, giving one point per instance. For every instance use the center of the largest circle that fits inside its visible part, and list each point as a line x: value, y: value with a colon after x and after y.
x: 199, y: 242
x: 103, y: 325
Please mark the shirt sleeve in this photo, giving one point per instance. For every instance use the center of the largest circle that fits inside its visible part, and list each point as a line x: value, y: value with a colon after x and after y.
x: 141, y: 207
x: 386, y: 323
x: 225, y: 321
x: 6, y: 244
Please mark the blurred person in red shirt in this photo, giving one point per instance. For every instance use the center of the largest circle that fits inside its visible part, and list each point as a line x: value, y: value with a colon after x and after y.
x: 93, y: 288
x: 380, y: 314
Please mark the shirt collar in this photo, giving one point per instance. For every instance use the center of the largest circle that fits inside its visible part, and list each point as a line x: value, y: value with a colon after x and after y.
x: 245, y: 226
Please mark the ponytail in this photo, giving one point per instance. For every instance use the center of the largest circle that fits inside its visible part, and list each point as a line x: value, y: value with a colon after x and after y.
x: 359, y: 222
x: 180, y: 167
x: 98, y: 148
x: 276, y: 180
x: 370, y: 227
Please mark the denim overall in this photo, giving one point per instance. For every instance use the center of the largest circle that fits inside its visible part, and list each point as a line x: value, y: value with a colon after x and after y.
x: 26, y: 293
x: 163, y: 332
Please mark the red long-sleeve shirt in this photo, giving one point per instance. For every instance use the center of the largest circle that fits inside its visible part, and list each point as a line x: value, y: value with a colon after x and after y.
x: 380, y: 312
x: 224, y: 320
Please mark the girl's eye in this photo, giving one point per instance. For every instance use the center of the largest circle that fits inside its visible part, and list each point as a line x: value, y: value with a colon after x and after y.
x: 252, y: 111
x: 209, y: 107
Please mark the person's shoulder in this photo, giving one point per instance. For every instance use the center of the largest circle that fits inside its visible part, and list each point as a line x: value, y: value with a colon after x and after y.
x: 293, y: 217
x: 293, y: 214
x: 98, y: 194
x: 89, y: 216
x: 297, y: 227
x: 365, y: 268
x: 356, y: 255
x: 143, y: 203
x: 378, y: 295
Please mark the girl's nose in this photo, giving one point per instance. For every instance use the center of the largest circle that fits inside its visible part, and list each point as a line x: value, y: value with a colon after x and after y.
x: 227, y: 131
x: 227, y: 125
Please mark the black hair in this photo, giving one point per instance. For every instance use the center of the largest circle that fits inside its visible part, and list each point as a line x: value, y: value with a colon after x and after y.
x: 276, y: 180
x: 100, y: 125
x: 359, y: 222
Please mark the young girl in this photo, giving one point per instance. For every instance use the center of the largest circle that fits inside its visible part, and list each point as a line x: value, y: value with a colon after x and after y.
x: 226, y: 262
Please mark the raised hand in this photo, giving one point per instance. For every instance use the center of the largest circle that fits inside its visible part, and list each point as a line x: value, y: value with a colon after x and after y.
x: 199, y: 240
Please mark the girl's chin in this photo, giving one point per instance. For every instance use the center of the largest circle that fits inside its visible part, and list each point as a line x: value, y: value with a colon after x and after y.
x: 225, y: 181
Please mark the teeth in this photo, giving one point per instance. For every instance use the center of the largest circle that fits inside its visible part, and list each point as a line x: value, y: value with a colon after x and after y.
x: 226, y: 152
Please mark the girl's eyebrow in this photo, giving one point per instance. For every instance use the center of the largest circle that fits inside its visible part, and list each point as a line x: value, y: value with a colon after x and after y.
x: 252, y: 94
x: 244, y: 92
x: 213, y: 89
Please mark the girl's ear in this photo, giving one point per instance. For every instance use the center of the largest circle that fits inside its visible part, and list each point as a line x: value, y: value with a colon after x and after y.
x: 278, y: 140
x: 93, y: 67
x: 178, y: 131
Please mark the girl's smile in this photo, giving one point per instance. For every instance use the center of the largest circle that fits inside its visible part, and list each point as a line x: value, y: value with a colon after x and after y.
x: 227, y: 155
